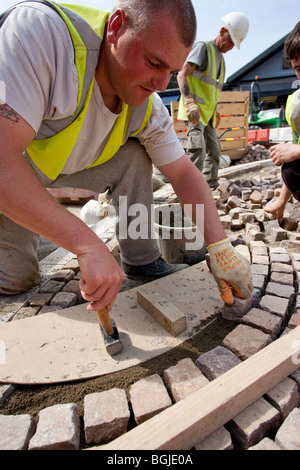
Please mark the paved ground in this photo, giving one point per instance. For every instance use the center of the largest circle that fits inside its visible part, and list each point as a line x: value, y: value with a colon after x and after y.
x: 221, y: 332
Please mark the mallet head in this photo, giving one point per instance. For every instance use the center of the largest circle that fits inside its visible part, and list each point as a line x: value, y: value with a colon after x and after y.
x: 113, y: 343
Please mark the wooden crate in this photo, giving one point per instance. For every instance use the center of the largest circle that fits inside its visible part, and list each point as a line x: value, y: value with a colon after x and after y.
x: 233, y: 107
x: 180, y: 127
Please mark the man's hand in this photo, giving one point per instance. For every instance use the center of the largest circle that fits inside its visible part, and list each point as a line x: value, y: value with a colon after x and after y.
x: 192, y: 111
x: 101, y: 278
x: 283, y: 153
x: 231, y: 271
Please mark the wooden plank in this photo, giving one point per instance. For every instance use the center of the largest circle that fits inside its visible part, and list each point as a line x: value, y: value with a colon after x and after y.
x: 232, y: 121
x: 163, y: 311
x: 240, y: 132
x: 231, y: 108
x: 236, y: 154
x: 228, y: 96
x: 187, y: 422
x: 233, y: 144
x: 234, y: 110
x: 180, y: 127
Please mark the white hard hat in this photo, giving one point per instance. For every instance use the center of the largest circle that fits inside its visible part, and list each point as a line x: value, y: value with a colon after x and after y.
x: 237, y: 25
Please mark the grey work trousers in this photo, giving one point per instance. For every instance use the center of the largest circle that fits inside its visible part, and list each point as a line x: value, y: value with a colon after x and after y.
x: 128, y: 173
x: 202, y: 146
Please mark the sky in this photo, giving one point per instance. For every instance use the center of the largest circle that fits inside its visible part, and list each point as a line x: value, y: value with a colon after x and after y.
x: 270, y: 21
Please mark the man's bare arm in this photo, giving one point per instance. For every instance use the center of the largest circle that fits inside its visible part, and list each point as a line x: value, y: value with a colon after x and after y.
x: 8, y: 113
x: 24, y: 200
x: 191, y: 188
x: 192, y: 109
x: 186, y: 70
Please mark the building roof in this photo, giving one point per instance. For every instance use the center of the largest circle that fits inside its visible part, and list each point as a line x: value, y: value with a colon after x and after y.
x: 259, y: 60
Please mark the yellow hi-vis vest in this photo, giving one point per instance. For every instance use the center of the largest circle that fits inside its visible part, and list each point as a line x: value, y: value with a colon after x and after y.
x: 55, y: 140
x: 292, y: 112
x: 205, y: 88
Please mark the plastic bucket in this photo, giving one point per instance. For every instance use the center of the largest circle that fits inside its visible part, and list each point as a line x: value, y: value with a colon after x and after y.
x: 180, y: 241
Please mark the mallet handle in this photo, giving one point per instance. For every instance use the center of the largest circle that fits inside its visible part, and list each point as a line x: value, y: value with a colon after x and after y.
x: 105, y: 321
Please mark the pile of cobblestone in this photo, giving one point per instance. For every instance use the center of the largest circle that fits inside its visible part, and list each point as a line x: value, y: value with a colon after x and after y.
x: 241, y: 204
x: 273, y: 421
x: 255, y: 153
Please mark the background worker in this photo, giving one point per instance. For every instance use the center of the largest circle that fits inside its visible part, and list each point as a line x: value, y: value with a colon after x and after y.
x: 61, y: 110
x: 201, y: 81
x: 288, y: 155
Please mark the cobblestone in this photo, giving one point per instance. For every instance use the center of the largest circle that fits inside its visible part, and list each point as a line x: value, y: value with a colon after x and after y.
x: 284, y: 397
x: 148, y: 397
x: 245, y: 341
x: 216, y: 362
x: 288, y: 435
x: 18, y: 431
x: 106, y: 415
x: 254, y: 423
x: 26, y: 312
x: 276, y: 305
x: 183, y: 379
x: 218, y: 440
x: 236, y: 311
x: 295, y: 320
x: 73, y: 288
x: 264, y: 321
x: 58, y: 428
x: 64, y: 299
x: 265, y: 444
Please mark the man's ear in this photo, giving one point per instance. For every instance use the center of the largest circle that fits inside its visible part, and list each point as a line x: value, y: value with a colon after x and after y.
x: 116, y: 25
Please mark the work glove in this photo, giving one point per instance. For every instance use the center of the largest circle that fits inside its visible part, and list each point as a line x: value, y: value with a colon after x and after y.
x: 192, y: 111
x: 231, y: 271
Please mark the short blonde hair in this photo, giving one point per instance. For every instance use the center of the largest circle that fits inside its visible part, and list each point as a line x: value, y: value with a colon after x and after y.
x: 142, y: 13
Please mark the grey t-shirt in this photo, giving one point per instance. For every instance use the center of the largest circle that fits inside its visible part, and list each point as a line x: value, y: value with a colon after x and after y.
x: 198, y: 55
x: 38, y: 79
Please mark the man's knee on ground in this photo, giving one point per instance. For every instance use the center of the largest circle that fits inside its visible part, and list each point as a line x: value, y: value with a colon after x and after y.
x: 18, y: 281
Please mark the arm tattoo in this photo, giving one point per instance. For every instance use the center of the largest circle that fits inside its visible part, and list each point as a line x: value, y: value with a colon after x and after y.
x: 185, y: 90
x: 8, y: 113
